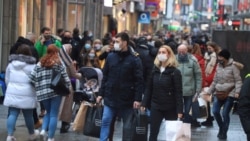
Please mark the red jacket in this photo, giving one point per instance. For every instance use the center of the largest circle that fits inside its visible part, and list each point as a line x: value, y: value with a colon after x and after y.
x: 201, y: 61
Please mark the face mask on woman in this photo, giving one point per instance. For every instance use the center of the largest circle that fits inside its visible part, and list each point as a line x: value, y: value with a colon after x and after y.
x: 91, y: 56
x: 98, y: 46
x: 87, y: 46
x: 162, y: 57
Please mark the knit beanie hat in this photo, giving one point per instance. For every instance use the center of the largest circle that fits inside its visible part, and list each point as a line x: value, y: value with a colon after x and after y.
x: 224, y: 53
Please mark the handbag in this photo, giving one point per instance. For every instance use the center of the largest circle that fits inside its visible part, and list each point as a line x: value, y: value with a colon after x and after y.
x: 58, y: 83
x: 141, y: 128
x: 93, y: 121
x: 222, y: 95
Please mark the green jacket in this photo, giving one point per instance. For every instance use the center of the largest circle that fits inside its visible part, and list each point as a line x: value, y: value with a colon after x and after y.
x: 42, y: 49
x: 191, y: 76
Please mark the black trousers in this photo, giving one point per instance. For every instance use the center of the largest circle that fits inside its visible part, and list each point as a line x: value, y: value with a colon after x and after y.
x: 245, y: 122
x: 157, y: 116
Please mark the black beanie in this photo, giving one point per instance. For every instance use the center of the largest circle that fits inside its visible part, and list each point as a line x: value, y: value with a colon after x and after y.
x: 224, y: 53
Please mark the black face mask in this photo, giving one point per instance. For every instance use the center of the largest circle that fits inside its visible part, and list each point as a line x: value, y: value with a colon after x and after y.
x: 209, y: 52
x: 47, y: 37
x: 66, y: 40
x: 221, y: 62
x: 183, y: 58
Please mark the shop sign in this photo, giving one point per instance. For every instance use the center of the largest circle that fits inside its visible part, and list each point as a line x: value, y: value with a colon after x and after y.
x: 144, y: 17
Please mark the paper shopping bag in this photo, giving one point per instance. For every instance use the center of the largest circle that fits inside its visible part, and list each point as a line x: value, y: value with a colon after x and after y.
x: 80, y: 117
x: 177, y: 131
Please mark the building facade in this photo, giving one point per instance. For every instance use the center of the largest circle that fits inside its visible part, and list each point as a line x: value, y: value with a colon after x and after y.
x: 18, y: 17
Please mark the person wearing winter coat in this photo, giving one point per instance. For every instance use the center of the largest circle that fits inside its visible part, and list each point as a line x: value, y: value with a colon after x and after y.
x: 244, y: 106
x: 191, y: 81
x: 227, y: 79
x: 41, y: 78
x: 66, y: 114
x: 164, y: 91
x: 20, y: 94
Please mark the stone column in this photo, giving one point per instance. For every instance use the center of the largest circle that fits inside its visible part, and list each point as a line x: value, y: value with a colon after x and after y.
x: 36, y: 17
x: 9, y: 28
x: 59, y: 14
x: 43, y: 13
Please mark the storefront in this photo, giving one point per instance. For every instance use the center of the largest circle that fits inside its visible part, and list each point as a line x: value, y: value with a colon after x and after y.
x: 75, y: 14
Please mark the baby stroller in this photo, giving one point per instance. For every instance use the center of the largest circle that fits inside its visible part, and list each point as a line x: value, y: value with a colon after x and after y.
x: 88, y: 87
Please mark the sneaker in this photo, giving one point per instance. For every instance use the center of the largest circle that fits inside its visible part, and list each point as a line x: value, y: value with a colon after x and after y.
x: 51, y: 139
x: 38, y: 124
x: 43, y: 135
x: 11, y: 138
x: 34, y: 136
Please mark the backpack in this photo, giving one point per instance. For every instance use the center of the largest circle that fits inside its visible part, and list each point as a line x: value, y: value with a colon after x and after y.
x: 2, y: 84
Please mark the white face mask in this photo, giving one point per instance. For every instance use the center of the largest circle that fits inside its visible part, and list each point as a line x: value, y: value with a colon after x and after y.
x: 98, y: 46
x: 117, y: 47
x: 162, y: 57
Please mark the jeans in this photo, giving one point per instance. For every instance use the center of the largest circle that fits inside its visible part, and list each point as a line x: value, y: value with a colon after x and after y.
x: 127, y: 117
x: 12, y: 117
x: 187, y: 108
x: 227, y: 104
x: 50, y: 119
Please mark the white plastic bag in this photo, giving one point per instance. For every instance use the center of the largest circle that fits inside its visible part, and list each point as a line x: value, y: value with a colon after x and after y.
x: 177, y: 131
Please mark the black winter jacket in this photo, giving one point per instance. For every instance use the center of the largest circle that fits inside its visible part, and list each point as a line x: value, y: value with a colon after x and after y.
x: 164, y: 90
x: 122, y: 82
x: 244, y: 99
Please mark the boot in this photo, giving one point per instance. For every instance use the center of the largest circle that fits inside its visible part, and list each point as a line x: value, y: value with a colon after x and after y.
x: 195, y: 123
x: 208, y: 122
x: 223, y: 135
x: 65, y: 127
x: 219, y: 133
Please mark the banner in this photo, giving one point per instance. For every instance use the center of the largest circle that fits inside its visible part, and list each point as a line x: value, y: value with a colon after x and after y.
x: 238, y: 43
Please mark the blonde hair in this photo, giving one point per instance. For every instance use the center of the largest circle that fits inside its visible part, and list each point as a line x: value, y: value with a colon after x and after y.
x: 171, y: 61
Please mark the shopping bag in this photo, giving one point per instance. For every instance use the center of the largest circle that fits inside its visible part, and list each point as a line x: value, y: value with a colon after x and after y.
x: 177, y: 131
x: 80, y: 117
x: 162, y: 131
x: 199, y: 108
x: 141, y: 128
x: 93, y: 121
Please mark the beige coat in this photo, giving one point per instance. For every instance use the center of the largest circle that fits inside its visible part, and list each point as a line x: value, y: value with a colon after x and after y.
x: 226, y: 78
x: 65, y: 113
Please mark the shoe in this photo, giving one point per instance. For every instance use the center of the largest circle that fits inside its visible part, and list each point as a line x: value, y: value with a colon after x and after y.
x: 51, y: 139
x: 219, y: 133
x: 65, y: 127
x: 195, y: 124
x: 43, y: 135
x: 208, y: 122
x: 11, y: 138
x: 42, y: 114
x: 223, y: 136
x: 38, y: 124
x: 34, y: 136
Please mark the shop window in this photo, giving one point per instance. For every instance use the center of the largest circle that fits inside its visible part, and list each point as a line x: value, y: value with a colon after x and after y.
x: 75, y: 16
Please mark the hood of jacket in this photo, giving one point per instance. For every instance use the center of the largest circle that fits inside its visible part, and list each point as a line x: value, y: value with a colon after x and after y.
x: 19, y: 60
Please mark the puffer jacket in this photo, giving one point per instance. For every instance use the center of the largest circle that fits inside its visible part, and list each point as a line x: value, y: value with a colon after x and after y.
x: 20, y: 93
x: 191, y: 76
x: 164, y: 90
x: 122, y: 82
x: 226, y: 78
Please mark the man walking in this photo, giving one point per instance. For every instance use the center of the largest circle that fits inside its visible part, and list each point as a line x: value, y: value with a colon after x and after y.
x: 122, y: 87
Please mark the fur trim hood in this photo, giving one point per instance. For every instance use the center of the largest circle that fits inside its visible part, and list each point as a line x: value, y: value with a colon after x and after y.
x: 22, y: 58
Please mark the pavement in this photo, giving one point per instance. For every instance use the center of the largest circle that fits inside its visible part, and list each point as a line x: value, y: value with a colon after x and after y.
x: 235, y: 132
